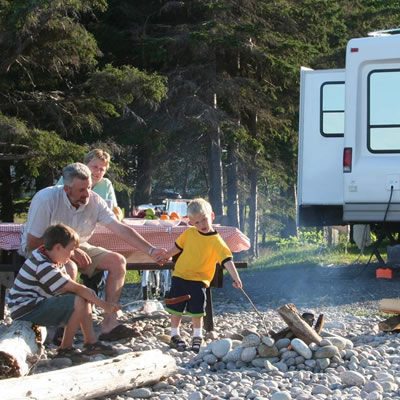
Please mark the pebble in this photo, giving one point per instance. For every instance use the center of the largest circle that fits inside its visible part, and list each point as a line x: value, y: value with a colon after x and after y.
x: 239, y: 361
x: 301, y: 348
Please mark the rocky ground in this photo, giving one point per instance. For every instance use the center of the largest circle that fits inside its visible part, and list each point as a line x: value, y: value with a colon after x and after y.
x: 240, y: 361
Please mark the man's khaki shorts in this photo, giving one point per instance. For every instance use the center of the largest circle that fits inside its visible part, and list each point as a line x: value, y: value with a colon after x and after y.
x: 96, y: 254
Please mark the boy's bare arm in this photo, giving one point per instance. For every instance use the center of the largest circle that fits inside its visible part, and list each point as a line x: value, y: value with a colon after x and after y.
x: 230, y: 266
x: 89, y: 295
x: 172, y: 252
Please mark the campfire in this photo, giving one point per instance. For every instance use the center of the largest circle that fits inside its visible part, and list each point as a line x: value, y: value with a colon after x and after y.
x: 300, y: 346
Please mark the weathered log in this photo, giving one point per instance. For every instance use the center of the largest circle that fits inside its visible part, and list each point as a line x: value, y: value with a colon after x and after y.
x: 391, y: 324
x: 20, y: 348
x: 390, y: 306
x: 91, y: 380
x: 319, y: 324
x: 298, y: 325
x: 286, y: 333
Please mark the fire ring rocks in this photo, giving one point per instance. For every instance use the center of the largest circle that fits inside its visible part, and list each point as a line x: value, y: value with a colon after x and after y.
x: 256, y: 350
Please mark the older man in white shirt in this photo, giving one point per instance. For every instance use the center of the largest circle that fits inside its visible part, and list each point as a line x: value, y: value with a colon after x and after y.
x: 77, y: 206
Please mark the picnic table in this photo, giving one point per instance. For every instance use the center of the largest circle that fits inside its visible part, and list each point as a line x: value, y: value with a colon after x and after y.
x: 158, y: 232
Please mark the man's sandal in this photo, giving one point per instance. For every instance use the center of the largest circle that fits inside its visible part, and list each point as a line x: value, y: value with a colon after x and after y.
x: 196, y: 343
x: 177, y: 343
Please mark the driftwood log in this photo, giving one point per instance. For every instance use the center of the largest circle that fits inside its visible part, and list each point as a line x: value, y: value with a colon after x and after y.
x: 95, y: 379
x: 391, y: 324
x: 390, y: 306
x: 298, y: 325
x: 20, y: 348
x: 287, y: 333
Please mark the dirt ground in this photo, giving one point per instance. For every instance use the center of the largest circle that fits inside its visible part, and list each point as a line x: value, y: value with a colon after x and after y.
x: 312, y: 285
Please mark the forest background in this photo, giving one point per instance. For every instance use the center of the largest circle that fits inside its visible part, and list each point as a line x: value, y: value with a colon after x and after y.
x: 197, y: 96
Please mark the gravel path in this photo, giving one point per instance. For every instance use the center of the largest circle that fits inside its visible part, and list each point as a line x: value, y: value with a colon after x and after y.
x: 355, y: 361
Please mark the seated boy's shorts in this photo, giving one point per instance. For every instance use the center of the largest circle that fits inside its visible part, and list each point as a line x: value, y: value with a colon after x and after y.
x: 196, y: 305
x: 53, y: 311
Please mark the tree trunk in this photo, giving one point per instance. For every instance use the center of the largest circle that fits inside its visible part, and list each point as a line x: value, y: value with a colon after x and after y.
x: 232, y: 186
x: 215, y: 172
x: 253, y: 177
x: 96, y: 379
x: 185, y: 187
x: 298, y: 325
x: 20, y: 348
x: 144, y: 173
x: 7, y: 209
x: 253, y: 214
x: 242, y: 215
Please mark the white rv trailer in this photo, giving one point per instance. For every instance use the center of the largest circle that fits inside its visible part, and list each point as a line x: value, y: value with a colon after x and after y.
x: 349, y: 137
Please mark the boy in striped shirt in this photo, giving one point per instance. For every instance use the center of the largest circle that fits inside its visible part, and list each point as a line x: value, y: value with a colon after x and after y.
x: 44, y: 294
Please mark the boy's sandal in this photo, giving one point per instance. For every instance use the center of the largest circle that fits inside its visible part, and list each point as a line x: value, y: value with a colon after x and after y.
x: 177, y: 343
x: 99, y: 348
x: 196, y: 344
x: 75, y: 355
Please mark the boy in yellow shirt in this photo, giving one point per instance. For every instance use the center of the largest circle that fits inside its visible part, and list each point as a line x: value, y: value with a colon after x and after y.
x: 200, y: 248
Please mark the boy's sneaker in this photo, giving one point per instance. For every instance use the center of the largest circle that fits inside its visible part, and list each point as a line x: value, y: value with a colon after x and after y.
x: 196, y: 343
x: 177, y: 343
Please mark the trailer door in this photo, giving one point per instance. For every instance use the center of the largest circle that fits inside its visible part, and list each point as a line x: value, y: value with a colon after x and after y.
x: 320, y: 163
x: 372, y: 184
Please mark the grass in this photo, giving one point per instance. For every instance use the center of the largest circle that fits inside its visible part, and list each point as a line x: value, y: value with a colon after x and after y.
x: 132, y: 277
x: 359, y: 313
x: 276, y: 255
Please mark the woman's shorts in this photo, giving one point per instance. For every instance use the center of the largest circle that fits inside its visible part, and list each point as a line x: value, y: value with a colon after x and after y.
x: 53, y: 311
x: 196, y: 305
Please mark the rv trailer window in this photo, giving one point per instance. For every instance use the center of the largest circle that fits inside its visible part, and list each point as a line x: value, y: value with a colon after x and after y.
x: 383, y: 111
x: 332, y: 109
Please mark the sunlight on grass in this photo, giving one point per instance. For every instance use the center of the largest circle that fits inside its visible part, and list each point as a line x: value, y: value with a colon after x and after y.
x: 312, y: 249
x: 132, y: 277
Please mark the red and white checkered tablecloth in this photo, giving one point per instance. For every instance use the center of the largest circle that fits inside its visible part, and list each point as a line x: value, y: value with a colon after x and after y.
x: 157, y: 235
x: 10, y: 236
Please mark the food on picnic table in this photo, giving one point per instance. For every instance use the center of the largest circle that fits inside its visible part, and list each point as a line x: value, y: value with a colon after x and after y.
x: 150, y: 214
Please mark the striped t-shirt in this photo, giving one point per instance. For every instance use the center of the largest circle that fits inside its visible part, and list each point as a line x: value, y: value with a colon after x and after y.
x: 38, y: 279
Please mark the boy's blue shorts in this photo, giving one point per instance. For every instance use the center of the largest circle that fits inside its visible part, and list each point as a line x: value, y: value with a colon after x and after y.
x: 196, y: 306
x: 53, y: 311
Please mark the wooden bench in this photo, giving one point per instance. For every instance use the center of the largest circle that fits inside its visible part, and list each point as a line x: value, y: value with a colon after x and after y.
x: 9, y: 270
